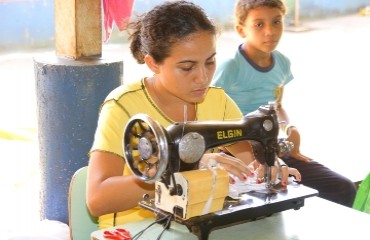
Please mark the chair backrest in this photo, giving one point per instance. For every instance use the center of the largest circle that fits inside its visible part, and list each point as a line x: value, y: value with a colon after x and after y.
x: 81, y: 223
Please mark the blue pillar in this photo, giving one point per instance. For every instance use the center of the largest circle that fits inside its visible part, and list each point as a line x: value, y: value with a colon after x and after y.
x: 69, y: 94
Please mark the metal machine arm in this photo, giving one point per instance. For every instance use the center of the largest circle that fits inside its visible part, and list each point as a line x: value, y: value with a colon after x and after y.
x: 151, y: 150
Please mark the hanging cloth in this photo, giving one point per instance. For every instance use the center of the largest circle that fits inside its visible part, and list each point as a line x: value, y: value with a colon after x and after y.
x: 117, y: 11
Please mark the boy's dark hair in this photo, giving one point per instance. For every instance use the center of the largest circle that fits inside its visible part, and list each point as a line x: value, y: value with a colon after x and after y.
x: 242, y: 8
x: 156, y: 31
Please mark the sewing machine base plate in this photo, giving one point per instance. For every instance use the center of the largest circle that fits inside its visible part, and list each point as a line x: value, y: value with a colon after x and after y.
x: 249, y: 207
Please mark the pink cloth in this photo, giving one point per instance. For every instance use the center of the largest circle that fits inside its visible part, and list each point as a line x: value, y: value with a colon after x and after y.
x: 117, y: 11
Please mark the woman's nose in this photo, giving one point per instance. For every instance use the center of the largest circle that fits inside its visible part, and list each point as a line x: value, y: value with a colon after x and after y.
x: 202, y: 76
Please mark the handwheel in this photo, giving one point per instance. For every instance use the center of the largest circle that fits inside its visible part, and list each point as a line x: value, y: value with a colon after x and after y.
x: 145, y: 147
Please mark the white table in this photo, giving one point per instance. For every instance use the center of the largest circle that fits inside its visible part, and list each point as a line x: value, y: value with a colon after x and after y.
x: 317, y: 219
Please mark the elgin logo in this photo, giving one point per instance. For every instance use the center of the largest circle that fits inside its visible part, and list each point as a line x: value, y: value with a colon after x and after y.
x: 229, y: 134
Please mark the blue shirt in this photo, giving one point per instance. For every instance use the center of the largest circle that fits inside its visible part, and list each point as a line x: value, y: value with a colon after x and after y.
x: 250, y: 85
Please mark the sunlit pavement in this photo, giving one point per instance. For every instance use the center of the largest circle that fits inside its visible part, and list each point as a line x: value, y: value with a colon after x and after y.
x: 327, y: 101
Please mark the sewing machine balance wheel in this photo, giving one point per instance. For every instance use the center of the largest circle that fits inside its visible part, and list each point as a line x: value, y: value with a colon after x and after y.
x: 145, y: 147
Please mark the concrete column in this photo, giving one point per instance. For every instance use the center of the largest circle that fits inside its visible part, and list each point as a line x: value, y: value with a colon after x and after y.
x: 69, y: 94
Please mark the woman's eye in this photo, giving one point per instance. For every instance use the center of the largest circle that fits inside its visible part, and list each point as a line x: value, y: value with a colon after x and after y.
x: 187, y: 69
x: 211, y: 63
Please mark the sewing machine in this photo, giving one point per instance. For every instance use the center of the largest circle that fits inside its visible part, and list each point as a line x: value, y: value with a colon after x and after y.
x: 198, y: 198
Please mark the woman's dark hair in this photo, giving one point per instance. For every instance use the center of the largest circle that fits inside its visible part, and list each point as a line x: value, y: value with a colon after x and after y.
x: 156, y: 31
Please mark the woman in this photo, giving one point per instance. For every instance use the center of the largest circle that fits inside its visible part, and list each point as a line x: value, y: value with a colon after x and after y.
x: 177, y: 41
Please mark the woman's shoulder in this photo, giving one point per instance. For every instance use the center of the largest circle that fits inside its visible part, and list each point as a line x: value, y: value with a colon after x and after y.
x: 216, y: 94
x: 218, y: 106
x: 124, y: 89
x: 214, y: 90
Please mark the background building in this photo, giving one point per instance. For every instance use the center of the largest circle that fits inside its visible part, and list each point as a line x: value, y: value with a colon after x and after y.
x: 30, y: 23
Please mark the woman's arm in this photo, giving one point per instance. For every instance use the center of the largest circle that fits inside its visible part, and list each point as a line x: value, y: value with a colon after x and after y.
x: 108, y: 190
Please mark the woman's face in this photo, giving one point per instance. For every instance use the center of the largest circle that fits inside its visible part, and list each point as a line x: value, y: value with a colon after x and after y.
x: 188, y: 71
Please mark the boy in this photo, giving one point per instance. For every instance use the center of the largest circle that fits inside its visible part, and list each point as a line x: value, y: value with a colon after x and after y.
x: 257, y: 74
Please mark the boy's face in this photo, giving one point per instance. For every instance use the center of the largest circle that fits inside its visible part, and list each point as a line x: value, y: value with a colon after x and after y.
x: 262, y: 28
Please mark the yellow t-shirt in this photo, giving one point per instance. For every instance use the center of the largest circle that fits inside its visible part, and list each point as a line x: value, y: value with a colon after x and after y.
x: 126, y: 101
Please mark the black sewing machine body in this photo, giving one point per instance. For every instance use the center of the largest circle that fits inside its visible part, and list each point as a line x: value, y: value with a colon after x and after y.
x: 155, y: 154
x: 191, y: 139
x: 188, y: 141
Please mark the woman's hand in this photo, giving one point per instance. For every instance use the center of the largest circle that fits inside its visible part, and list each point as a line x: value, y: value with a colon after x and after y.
x: 231, y: 164
x: 279, y: 170
x: 295, y: 173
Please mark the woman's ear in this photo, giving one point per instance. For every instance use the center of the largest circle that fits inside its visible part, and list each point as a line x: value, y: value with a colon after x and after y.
x: 151, y: 63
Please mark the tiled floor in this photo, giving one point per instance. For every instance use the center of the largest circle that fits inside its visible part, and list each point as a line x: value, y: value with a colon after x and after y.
x: 327, y: 101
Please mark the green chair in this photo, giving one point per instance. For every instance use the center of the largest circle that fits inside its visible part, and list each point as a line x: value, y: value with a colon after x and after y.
x: 362, y: 200
x: 81, y: 223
